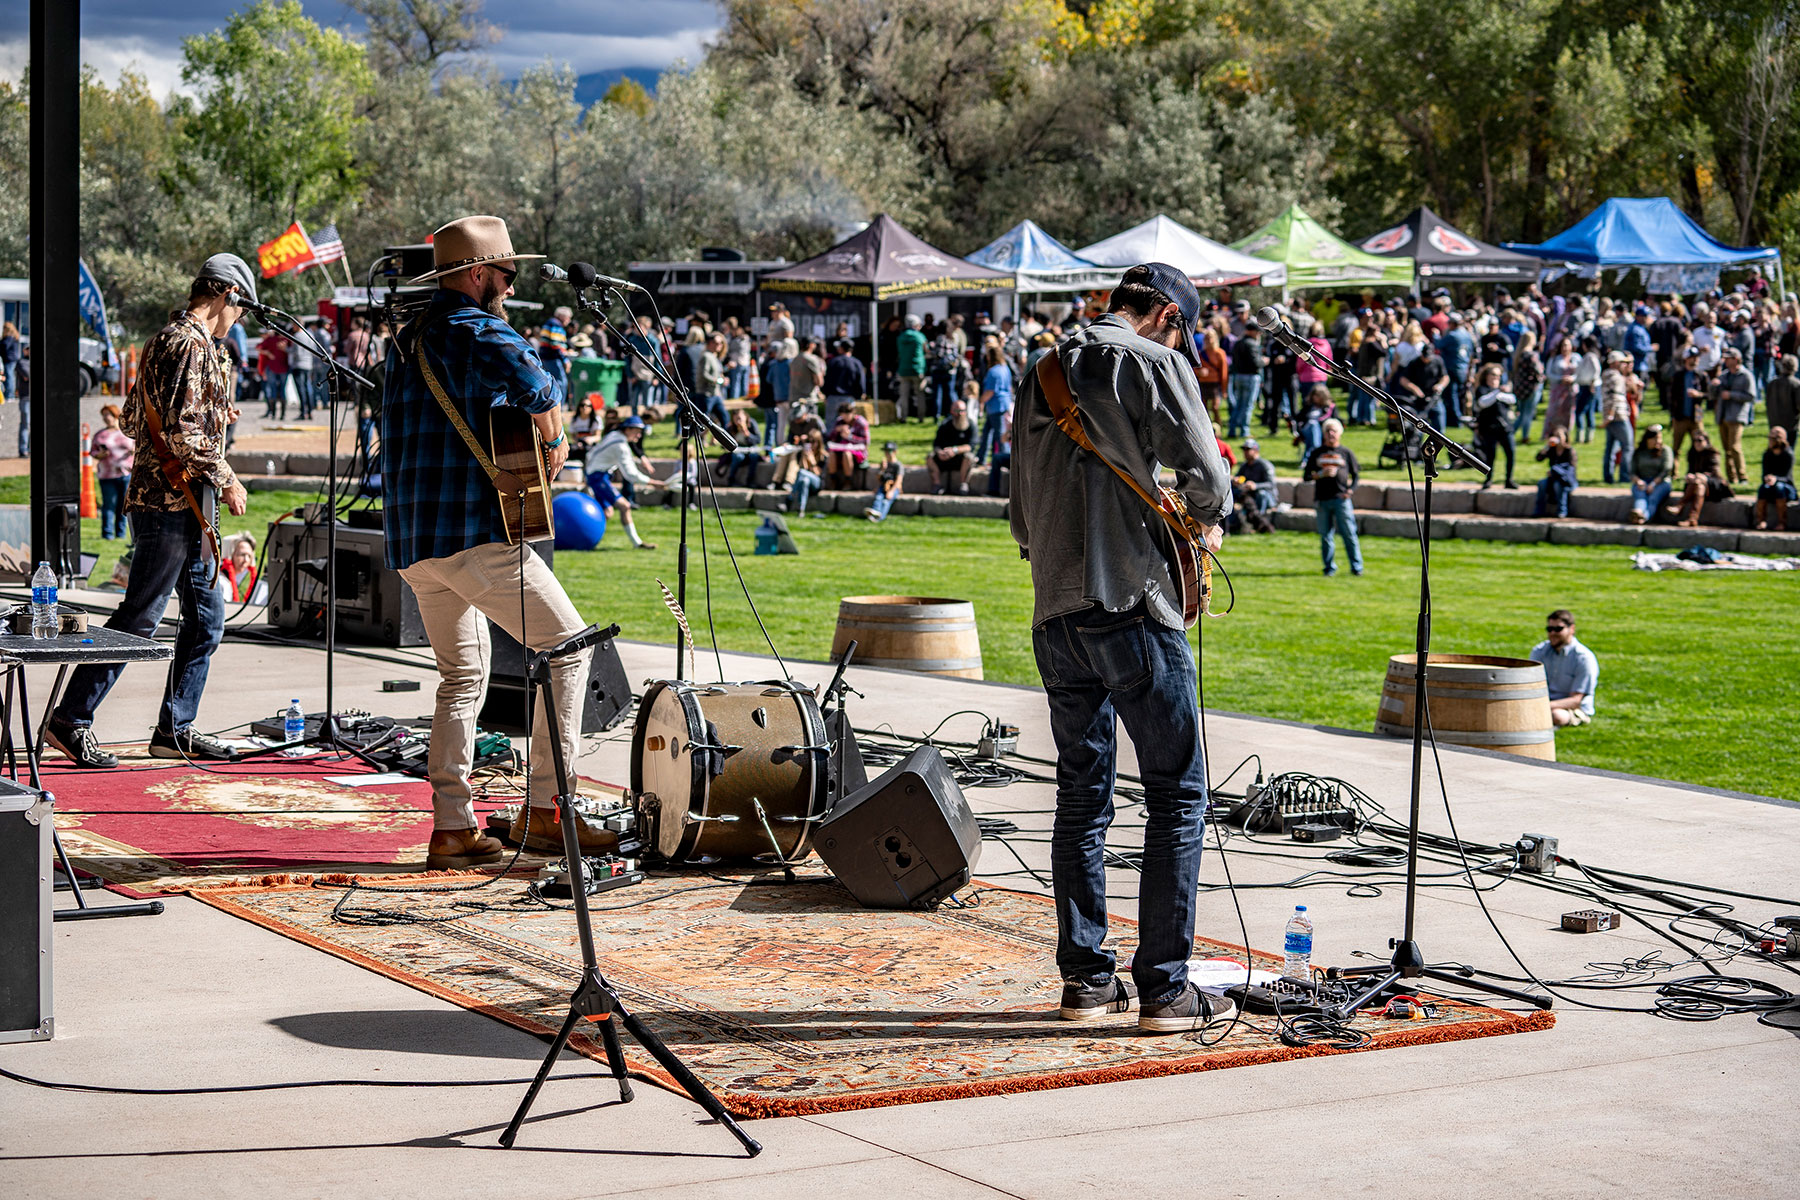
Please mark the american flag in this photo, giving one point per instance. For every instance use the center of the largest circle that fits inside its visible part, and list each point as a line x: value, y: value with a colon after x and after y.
x: 327, y: 245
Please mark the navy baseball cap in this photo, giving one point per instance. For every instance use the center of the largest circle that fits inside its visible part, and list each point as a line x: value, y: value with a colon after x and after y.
x: 1178, y: 288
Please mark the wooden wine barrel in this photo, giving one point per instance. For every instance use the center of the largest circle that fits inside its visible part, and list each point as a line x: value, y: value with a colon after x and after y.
x: 1493, y: 703
x: 910, y: 633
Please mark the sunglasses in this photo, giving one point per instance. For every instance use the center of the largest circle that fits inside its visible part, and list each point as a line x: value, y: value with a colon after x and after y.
x: 505, y: 274
x: 1554, y: 628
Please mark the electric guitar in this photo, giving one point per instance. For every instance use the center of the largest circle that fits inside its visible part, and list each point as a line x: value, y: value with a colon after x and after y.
x: 1184, y: 546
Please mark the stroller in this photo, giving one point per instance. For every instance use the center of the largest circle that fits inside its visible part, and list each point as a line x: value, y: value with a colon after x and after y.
x: 1404, y: 445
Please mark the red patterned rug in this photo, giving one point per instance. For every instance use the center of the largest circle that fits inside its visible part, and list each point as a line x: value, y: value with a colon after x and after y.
x: 790, y: 998
x: 151, y: 826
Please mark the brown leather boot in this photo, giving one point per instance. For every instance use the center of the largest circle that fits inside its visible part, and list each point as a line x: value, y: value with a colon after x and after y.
x: 541, y: 833
x: 455, y: 849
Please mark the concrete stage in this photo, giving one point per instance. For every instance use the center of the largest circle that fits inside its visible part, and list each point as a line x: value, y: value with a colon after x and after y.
x: 1605, y: 1104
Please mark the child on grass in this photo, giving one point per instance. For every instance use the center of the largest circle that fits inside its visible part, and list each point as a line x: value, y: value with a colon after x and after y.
x: 887, y: 485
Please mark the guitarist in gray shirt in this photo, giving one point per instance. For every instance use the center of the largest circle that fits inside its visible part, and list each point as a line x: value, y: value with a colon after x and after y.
x: 1107, y: 631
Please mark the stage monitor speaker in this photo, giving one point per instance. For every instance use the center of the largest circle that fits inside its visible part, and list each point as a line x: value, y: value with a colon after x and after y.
x: 25, y: 858
x: 605, y: 702
x: 907, y: 840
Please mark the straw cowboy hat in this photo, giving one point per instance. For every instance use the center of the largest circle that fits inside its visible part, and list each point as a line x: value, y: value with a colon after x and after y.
x: 470, y: 242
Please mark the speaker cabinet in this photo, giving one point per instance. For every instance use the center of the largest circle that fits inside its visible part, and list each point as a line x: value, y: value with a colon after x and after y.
x: 605, y: 701
x: 907, y: 840
x: 25, y: 1014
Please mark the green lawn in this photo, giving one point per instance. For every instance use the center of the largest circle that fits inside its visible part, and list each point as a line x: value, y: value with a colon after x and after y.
x: 1696, y: 669
x: 915, y: 441
x: 1688, y: 691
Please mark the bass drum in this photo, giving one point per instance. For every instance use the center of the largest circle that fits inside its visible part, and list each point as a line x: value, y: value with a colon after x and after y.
x: 729, y: 770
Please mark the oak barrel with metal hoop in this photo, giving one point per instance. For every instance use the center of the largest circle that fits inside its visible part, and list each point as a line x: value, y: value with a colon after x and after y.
x: 1491, y: 703
x: 910, y: 633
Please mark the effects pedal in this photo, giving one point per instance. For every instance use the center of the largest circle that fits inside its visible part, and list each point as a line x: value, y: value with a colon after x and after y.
x: 1590, y: 920
x: 604, y: 873
x: 997, y: 741
x: 1288, y: 997
x: 1316, y: 832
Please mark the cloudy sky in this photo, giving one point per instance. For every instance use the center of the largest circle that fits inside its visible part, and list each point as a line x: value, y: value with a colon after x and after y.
x: 589, y: 35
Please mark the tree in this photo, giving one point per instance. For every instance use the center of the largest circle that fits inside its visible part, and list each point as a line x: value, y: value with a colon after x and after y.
x: 278, y: 108
x: 408, y: 34
x: 1760, y: 118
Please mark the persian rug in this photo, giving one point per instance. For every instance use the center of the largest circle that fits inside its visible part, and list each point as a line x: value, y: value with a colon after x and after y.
x: 790, y: 998
x: 152, y: 826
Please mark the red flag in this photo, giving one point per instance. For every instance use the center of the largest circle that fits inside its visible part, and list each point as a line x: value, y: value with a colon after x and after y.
x: 290, y: 250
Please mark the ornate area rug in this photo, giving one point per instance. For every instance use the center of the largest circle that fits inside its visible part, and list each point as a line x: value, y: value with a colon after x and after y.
x: 790, y: 998
x: 152, y: 826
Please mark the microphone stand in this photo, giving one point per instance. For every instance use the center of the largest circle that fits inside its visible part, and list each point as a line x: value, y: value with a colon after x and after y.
x: 339, y: 376
x: 688, y: 416
x: 1408, y: 961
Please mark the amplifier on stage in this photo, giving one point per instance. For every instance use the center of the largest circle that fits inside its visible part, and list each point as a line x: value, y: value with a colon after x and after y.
x: 25, y: 861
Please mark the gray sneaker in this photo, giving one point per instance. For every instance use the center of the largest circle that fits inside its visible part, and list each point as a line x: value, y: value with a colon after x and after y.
x: 1085, y: 1002
x: 1191, y: 1009
x: 190, y: 744
x: 78, y: 744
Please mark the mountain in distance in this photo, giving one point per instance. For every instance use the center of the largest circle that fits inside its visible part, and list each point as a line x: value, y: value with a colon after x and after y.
x: 591, y: 87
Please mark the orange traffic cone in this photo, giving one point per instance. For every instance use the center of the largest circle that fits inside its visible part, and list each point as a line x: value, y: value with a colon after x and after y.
x: 90, y: 499
x: 753, y: 388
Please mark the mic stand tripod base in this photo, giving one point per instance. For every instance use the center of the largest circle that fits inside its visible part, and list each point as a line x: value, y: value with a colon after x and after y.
x: 1409, y: 963
x: 594, y: 999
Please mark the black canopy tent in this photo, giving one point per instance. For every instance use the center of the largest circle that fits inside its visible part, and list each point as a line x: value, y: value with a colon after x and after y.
x: 1445, y: 253
x: 885, y: 261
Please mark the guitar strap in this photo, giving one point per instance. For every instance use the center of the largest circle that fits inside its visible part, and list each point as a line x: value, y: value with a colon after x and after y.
x: 175, y: 473
x: 505, y: 482
x: 1067, y: 415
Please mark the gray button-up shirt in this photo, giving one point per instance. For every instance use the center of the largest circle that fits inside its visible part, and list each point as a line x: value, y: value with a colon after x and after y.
x: 1090, y: 538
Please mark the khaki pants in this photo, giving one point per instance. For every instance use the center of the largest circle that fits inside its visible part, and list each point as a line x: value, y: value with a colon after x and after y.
x: 456, y: 597
x: 1681, y: 431
x: 913, y: 398
x: 1731, y: 449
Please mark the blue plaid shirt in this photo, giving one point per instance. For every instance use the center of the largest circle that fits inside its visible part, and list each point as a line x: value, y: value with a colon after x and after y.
x: 437, y: 500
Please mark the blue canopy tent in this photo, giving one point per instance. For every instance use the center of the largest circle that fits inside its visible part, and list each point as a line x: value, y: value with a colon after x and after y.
x: 1649, y: 233
x: 1041, y: 263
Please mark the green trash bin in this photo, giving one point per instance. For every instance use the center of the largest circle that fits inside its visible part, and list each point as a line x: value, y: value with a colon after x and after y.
x: 603, y: 375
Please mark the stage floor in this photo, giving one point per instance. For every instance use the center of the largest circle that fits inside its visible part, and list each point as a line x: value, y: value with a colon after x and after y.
x: 1604, y: 1104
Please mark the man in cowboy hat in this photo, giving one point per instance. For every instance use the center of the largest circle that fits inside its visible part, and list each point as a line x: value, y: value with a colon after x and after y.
x: 444, y: 532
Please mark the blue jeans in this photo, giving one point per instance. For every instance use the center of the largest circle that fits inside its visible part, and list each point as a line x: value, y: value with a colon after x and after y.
x: 275, y: 394
x: 1100, y: 668
x: 943, y: 394
x: 806, y: 485
x: 1337, y: 515
x: 168, y: 557
x: 1618, y: 433
x: 1553, y: 496
x: 1244, y: 389
x: 747, y: 460
x: 112, y: 507
x: 1453, y: 398
x: 1362, y: 407
x: 1434, y: 415
x: 993, y: 434
x: 1528, y: 406
x: 881, y: 504
x: 737, y: 383
x: 1648, y: 501
x: 303, y: 391
x: 1587, y: 403
x: 771, y: 422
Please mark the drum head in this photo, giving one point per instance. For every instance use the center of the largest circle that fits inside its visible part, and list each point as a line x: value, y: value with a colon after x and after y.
x: 667, y: 723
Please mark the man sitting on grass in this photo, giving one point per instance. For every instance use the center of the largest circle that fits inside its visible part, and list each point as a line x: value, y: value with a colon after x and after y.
x: 1570, y: 670
x: 950, y: 450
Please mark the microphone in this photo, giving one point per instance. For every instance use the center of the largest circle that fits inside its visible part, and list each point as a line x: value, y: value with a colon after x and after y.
x: 239, y: 300
x: 1275, y: 327
x: 582, y: 276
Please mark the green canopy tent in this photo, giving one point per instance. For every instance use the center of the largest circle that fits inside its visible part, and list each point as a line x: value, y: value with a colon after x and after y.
x: 1317, y: 258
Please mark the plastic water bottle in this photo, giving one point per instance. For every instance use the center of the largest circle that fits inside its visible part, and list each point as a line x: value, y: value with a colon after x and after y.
x: 293, y: 724
x: 1297, y: 962
x: 44, y: 621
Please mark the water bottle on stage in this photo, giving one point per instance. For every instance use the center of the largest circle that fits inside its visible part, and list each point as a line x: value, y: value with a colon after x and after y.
x: 44, y: 622
x: 293, y: 724
x: 1298, y: 946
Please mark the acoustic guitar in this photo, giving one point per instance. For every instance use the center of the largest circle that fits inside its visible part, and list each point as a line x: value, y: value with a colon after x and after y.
x: 1184, y: 547
x: 519, y: 475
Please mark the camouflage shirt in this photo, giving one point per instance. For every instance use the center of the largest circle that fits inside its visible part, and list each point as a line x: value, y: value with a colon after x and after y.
x: 183, y: 374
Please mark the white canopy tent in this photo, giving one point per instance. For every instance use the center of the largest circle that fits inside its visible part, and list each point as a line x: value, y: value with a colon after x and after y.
x: 1206, y: 262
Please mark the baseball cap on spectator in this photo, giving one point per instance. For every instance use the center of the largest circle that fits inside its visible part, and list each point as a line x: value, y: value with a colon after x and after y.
x: 1454, y: 317
x: 1734, y: 352
x: 1252, y: 444
x: 633, y: 422
x: 890, y: 445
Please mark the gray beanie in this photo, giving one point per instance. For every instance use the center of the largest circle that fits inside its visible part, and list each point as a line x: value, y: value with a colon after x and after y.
x: 229, y: 268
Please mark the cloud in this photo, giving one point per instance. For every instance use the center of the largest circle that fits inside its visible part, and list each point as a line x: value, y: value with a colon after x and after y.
x: 589, y: 35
